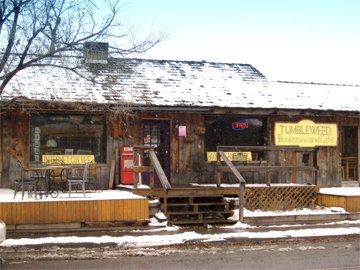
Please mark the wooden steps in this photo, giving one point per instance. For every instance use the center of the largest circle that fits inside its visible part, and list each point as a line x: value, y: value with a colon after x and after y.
x: 197, y: 209
x: 191, y: 204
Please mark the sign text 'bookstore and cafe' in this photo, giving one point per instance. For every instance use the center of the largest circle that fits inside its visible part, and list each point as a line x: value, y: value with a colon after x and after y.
x: 306, y: 133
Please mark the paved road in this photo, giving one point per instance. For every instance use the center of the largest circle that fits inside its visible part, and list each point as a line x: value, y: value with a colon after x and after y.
x: 326, y: 253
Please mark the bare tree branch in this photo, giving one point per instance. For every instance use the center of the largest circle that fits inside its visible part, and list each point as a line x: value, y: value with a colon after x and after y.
x: 48, y: 32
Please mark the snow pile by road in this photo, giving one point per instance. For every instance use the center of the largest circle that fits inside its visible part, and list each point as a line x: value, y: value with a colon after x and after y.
x: 174, y: 235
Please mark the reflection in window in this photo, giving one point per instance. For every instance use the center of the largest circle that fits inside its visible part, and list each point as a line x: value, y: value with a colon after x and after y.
x: 67, y: 135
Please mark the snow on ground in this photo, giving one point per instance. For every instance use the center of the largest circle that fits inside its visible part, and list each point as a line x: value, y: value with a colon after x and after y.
x: 238, y: 231
x: 341, y: 191
x: 170, y: 235
x: 7, y: 195
x: 319, y: 210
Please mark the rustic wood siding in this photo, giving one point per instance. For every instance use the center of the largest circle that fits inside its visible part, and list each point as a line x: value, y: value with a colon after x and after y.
x: 188, y: 163
x: 328, y: 158
x: 186, y: 153
x: 14, y: 144
x: 54, y: 212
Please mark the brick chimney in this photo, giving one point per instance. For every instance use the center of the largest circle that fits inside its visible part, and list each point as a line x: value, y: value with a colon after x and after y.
x: 96, y: 52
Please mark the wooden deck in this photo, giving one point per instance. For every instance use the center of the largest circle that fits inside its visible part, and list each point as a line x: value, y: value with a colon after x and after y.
x: 188, y: 190
x: 351, y: 203
x: 276, y: 197
x: 104, y: 206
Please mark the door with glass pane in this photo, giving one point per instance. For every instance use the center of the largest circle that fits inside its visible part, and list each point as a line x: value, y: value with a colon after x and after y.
x: 349, y: 152
x: 157, y: 133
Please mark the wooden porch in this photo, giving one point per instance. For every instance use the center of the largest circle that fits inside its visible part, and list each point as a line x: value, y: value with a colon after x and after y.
x: 276, y: 197
x: 213, y: 203
x: 209, y: 204
x: 346, y: 198
x: 101, y: 207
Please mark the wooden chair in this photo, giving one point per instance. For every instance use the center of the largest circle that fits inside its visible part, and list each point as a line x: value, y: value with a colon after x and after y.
x: 92, y: 178
x: 24, y: 183
x: 79, y: 181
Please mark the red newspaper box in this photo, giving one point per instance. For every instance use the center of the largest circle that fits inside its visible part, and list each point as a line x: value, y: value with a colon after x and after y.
x: 126, y: 165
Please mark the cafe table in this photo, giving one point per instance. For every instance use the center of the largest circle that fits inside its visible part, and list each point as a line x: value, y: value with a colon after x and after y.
x: 42, y: 174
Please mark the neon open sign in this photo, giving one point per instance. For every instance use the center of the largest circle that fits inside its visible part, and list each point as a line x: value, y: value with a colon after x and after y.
x: 240, y: 125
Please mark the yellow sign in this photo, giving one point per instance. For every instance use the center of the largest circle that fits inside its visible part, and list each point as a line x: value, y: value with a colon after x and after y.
x: 306, y: 133
x: 69, y: 159
x: 232, y: 156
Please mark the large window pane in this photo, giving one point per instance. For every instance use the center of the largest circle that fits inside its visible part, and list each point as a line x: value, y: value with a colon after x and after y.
x: 67, y: 134
x: 234, y: 131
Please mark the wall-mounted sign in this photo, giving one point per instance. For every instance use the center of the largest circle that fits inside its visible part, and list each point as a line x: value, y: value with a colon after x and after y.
x: 239, y: 125
x: 306, y: 133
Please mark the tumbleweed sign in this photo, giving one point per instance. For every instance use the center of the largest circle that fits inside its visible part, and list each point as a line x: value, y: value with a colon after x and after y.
x: 306, y: 133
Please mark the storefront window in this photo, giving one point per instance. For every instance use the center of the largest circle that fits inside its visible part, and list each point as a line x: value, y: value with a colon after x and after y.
x: 67, y: 135
x: 234, y: 131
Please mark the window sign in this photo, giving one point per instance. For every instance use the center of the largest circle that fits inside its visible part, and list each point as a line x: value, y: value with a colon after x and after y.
x: 240, y: 125
x: 69, y: 159
x: 36, y: 144
x: 232, y: 156
x: 305, y: 133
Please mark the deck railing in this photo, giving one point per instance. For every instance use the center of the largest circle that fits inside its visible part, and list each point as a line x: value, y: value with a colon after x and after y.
x: 238, y: 177
x: 155, y: 167
x: 262, y: 164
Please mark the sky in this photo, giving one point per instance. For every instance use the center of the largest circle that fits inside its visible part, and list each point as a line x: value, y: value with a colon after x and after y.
x: 290, y: 40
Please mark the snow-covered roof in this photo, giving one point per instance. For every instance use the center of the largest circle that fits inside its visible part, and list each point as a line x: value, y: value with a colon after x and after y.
x: 143, y: 82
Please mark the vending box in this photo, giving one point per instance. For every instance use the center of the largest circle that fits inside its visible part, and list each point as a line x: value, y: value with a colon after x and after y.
x: 126, y: 165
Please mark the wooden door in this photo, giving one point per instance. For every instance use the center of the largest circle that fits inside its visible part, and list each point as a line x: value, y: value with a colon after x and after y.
x: 157, y: 133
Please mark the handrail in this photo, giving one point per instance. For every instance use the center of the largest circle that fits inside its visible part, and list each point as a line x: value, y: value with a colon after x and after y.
x: 244, y: 166
x: 155, y: 166
x: 238, y: 176
x: 267, y: 148
x: 231, y: 167
x: 159, y: 170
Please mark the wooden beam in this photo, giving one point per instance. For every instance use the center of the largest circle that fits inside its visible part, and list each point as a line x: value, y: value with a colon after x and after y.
x: 112, y: 171
x: 142, y: 169
x: 266, y: 148
x: 231, y: 167
x: 267, y: 168
x: 159, y: 170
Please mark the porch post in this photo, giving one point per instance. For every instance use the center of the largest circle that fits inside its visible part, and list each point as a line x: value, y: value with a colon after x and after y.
x: 136, y: 174
x: 241, y: 201
x: 217, y: 170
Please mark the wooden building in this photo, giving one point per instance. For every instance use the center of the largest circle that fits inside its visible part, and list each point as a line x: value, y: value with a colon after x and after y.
x: 185, y: 109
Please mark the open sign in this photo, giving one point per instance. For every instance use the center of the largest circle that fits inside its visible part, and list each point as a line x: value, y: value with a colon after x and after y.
x: 240, y: 124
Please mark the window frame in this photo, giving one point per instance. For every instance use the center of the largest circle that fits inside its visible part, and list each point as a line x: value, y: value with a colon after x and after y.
x: 100, y: 123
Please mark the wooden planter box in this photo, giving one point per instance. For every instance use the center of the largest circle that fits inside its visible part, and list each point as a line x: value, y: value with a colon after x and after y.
x: 351, y: 203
